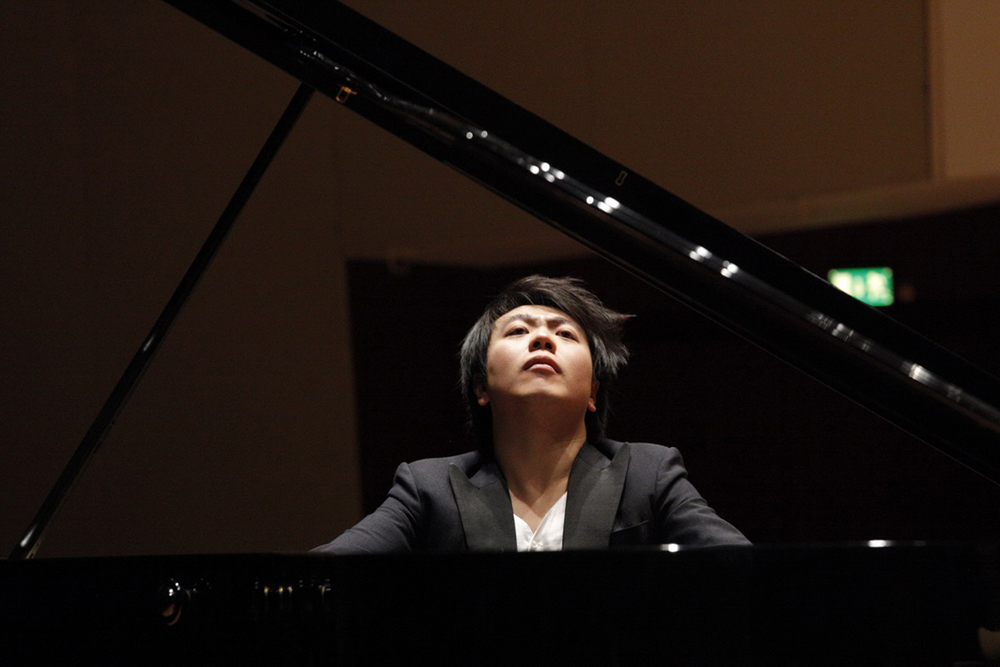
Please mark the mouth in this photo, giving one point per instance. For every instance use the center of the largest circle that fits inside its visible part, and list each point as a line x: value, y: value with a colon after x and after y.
x: 541, y: 362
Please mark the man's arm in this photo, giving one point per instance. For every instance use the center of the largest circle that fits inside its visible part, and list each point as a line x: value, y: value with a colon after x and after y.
x: 393, y: 528
x: 684, y: 516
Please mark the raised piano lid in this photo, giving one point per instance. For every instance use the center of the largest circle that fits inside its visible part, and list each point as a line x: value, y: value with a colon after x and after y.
x: 681, y: 250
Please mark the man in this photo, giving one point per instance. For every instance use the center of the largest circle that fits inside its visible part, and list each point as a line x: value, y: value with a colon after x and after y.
x: 536, y: 368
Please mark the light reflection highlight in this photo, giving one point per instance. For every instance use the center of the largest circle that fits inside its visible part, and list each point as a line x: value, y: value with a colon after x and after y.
x: 609, y: 204
x: 919, y: 373
x: 699, y: 253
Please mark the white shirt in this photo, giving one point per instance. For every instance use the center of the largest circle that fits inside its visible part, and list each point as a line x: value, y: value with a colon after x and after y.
x: 549, y: 536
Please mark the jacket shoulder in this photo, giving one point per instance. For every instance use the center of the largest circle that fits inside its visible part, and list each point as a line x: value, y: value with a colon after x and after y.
x: 468, y: 463
x: 644, y: 451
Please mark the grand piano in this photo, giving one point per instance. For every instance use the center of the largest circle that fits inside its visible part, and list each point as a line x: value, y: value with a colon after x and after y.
x: 760, y: 606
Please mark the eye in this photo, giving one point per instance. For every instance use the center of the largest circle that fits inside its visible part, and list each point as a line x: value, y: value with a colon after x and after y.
x: 566, y: 333
x: 517, y: 331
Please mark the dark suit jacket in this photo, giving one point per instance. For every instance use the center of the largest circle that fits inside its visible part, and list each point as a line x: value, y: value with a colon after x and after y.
x: 619, y: 494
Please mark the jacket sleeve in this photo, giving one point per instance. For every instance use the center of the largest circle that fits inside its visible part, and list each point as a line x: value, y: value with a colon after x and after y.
x: 683, y: 515
x: 392, y: 528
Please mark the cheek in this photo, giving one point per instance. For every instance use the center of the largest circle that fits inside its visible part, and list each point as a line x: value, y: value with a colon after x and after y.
x: 496, y: 361
x: 586, y: 365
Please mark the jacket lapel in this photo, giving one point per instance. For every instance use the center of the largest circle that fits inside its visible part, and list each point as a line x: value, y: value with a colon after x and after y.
x: 485, y: 508
x: 594, y: 492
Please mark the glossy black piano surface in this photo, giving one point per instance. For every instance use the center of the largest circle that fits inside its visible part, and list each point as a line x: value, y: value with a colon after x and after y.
x: 823, y: 605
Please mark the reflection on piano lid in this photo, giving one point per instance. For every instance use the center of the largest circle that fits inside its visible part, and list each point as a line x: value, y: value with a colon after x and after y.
x: 683, y: 251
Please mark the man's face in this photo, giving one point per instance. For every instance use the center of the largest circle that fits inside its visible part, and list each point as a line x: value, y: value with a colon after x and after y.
x: 538, y: 351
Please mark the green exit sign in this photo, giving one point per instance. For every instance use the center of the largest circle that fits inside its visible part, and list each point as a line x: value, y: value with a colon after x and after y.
x: 873, y: 286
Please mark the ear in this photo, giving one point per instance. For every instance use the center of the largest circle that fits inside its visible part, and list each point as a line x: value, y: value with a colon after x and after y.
x: 592, y: 405
x: 479, y: 386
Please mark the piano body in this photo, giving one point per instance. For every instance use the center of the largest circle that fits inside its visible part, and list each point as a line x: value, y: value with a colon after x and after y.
x: 774, y: 605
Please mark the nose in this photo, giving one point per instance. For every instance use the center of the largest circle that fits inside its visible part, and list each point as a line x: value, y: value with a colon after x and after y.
x: 542, y: 341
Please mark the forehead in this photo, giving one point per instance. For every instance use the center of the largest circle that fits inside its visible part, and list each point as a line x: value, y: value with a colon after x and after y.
x: 536, y: 314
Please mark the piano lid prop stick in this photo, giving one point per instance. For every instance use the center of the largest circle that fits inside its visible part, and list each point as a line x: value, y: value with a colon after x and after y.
x: 105, y: 419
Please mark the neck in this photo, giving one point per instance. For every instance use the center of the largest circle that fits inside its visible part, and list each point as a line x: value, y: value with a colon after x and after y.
x: 536, y: 453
